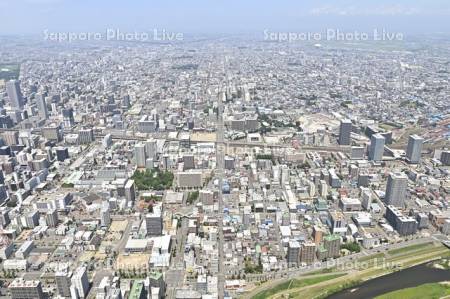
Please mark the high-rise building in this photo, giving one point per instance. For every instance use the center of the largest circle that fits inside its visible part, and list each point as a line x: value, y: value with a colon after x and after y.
x: 107, y: 141
x: 334, y: 180
x: 308, y: 252
x: 404, y: 225
x: 376, y: 148
x: 80, y: 282
x: 156, y: 280
x: 4, y: 217
x: 62, y: 153
x: 396, y: 188
x: 139, y: 155
x: 337, y: 222
x: 32, y: 219
x: 25, y: 249
x: 188, y: 162
x: 118, y: 122
x: 52, y: 133
x: 422, y: 220
x: 130, y: 193
x: 69, y: 120
x: 154, y: 223
x: 166, y: 161
x: 345, y: 130
x: 14, y: 94
x: 26, y: 289
x: 108, y: 288
x: 353, y: 171
x: 39, y: 164
x: 63, y: 283
x: 17, y: 115
x: 445, y: 158
x: 229, y: 162
x: 146, y: 124
x: 363, y: 178
x: 284, y: 178
x: 318, y: 233
x: 357, y: 152
x: 126, y: 102
x: 151, y: 148
x: 3, y: 194
x: 86, y: 136
x: 105, y: 215
x: 366, y: 197
x: 11, y: 137
x: 323, y: 188
x: 293, y: 253
x: 332, y: 244
x: 41, y: 106
x: 51, y: 218
x: 6, y: 122
x: 414, y: 149
x: 137, y: 290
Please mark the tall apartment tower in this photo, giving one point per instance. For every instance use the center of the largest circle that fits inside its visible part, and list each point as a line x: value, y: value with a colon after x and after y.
x: 86, y: 136
x: 396, y: 188
x: 139, y: 154
x: 130, y: 193
x: 293, y: 253
x: 14, y: 94
x: 366, y: 197
x: 80, y: 282
x: 284, y: 178
x: 41, y: 106
x: 126, y: 102
x: 376, y: 148
x: 154, y: 223
x: 344, y: 132
x: 69, y: 120
x: 445, y: 158
x: 150, y: 148
x: 332, y: 244
x: 308, y: 253
x: 105, y: 214
x: 11, y: 137
x: 414, y: 149
x: 63, y: 283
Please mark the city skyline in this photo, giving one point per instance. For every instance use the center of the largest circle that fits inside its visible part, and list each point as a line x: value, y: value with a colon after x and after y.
x: 224, y: 149
x: 223, y: 17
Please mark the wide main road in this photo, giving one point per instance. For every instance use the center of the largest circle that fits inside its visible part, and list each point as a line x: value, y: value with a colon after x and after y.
x: 175, y: 275
x: 220, y: 161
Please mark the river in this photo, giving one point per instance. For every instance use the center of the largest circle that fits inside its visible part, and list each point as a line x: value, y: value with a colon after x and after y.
x: 402, y: 279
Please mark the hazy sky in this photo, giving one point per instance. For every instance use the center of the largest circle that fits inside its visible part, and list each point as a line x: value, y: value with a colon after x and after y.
x: 223, y: 16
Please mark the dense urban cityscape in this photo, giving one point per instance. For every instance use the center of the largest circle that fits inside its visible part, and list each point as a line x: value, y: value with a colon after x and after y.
x: 221, y: 167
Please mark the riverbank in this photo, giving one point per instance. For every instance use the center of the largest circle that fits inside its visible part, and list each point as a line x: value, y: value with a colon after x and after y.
x: 412, y: 271
x: 428, y: 290
x: 295, y: 284
x: 367, y: 268
x: 398, y: 281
